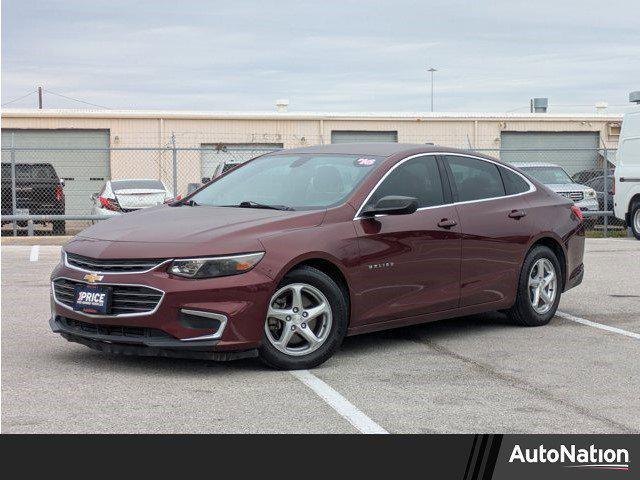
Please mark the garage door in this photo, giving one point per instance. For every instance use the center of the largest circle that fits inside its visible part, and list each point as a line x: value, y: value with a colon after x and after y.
x: 353, y: 136
x: 84, y: 172
x: 575, y: 151
x: 214, y: 156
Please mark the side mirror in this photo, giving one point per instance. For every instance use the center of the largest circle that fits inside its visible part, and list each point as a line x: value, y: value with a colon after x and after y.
x: 392, y: 205
x: 94, y: 196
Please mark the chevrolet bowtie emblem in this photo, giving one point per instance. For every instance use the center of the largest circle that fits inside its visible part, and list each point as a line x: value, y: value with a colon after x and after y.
x: 93, y: 277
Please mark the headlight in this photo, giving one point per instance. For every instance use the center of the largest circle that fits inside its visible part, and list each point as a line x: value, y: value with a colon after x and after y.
x: 215, y: 266
x: 591, y: 193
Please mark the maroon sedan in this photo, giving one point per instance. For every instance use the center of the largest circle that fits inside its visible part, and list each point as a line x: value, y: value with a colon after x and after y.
x: 285, y: 255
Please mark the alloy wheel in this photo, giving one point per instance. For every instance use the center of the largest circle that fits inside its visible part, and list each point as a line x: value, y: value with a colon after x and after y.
x: 543, y: 284
x: 636, y: 220
x: 298, y: 319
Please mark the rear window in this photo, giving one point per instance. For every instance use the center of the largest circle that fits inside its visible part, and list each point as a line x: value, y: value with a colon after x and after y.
x: 130, y: 184
x: 513, y: 183
x: 30, y: 171
x: 475, y: 179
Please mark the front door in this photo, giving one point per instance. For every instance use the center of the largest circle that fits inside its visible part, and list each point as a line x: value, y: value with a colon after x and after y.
x: 409, y: 264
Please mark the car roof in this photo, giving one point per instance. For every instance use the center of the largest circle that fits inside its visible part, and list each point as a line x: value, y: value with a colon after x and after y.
x: 533, y: 164
x: 382, y: 149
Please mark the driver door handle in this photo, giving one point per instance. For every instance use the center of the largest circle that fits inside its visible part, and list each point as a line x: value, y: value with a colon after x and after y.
x: 446, y: 223
x: 517, y: 214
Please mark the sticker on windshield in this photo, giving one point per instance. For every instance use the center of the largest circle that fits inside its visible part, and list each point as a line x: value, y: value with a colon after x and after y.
x: 365, y: 162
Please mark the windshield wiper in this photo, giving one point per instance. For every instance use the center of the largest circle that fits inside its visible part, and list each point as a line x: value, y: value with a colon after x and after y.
x: 251, y: 204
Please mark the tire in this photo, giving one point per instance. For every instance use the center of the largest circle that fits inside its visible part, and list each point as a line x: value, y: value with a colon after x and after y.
x: 293, y: 351
x: 59, y: 227
x: 523, y: 311
x: 634, y: 220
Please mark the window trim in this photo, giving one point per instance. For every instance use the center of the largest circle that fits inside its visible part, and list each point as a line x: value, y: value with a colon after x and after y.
x: 532, y: 187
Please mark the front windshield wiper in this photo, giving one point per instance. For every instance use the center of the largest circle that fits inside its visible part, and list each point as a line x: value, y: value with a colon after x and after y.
x: 188, y: 203
x: 251, y: 204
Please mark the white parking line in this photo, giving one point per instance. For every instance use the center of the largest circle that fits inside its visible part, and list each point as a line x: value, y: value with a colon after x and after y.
x: 601, y: 326
x: 340, y: 404
x: 35, y: 252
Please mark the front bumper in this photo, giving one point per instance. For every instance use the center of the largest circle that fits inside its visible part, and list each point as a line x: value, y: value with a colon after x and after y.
x: 588, y: 205
x: 240, y: 301
x: 144, y: 345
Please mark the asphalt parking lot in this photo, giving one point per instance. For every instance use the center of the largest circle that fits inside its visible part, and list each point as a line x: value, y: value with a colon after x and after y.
x: 475, y: 374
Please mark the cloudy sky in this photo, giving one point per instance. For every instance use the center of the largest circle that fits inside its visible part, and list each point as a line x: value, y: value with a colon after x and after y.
x: 324, y: 55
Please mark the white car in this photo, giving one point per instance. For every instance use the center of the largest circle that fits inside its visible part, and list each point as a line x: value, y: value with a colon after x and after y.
x: 626, y: 198
x: 122, y: 196
x: 558, y: 180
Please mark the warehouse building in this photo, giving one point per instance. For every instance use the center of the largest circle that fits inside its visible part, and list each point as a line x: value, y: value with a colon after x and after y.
x: 138, y: 144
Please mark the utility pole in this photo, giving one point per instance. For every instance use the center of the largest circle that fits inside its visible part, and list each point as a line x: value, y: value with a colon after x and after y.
x: 432, y: 71
x: 40, y: 98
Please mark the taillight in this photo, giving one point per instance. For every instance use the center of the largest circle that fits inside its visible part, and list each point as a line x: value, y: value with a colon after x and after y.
x: 59, y: 193
x: 613, y: 185
x: 576, y: 211
x: 110, y: 204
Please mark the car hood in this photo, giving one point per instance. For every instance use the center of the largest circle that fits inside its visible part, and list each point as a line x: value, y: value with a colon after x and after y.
x: 164, y: 231
x: 567, y: 187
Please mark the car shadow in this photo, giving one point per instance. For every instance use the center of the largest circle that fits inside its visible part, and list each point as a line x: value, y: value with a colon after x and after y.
x: 434, y: 331
x: 356, y: 345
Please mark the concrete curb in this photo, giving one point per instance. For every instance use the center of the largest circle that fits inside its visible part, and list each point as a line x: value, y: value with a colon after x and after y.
x: 37, y: 240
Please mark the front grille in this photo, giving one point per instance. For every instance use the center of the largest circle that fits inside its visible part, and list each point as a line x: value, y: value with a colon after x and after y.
x: 112, y: 330
x: 575, y: 196
x: 126, y: 299
x: 115, y: 266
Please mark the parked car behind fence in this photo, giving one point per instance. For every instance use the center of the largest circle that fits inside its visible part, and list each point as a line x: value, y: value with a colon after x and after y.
x: 39, y: 191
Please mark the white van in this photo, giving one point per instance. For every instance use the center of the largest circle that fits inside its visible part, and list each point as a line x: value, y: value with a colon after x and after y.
x: 626, y: 200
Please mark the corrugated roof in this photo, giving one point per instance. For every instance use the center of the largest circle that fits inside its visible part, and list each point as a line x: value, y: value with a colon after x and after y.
x: 268, y: 115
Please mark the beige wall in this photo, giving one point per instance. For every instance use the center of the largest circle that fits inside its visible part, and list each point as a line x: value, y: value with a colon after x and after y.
x: 140, y: 129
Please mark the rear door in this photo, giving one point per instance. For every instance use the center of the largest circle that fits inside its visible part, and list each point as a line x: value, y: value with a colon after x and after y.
x: 409, y: 264
x: 495, y: 227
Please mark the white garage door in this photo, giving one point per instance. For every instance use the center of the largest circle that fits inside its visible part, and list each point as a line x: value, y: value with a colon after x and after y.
x: 83, y: 171
x: 574, y: 151
x: 214, y: 156
x: 354, y: 136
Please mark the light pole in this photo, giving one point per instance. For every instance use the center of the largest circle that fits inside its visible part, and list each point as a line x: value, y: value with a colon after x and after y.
x: 432, y: 71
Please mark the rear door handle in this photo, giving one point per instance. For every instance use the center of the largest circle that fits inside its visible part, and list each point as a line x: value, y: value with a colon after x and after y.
x: 446, y: 223
x: 517, y: 214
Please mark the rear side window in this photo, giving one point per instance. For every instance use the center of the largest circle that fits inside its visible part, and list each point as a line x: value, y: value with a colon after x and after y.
x: 513, y: 183
x: 475, y: 179
x: 25, y: 171
x: 418, y: 177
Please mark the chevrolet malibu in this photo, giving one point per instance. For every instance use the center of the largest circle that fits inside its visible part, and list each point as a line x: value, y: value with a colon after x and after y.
x: 287, y: 254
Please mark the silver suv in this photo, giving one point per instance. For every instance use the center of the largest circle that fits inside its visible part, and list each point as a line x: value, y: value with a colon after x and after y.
x: 555, y: 177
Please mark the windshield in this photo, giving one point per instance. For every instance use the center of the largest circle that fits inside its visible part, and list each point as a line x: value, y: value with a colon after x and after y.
x: 132, y: 184
x: 548, y: 175
x: 300, y: 182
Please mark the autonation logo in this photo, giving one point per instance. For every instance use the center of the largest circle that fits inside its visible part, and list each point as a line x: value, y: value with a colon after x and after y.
x: 592, y: 457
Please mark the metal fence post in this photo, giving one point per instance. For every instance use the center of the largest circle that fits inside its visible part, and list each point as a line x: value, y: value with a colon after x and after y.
x: 13, y: 183
x: 605, y: 193
x: 175, y: 165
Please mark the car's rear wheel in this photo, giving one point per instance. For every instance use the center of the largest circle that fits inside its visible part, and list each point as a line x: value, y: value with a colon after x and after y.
x: 635, y: 219
x: 306, y: 320
x: 59, y: 227
x: 539, y: 288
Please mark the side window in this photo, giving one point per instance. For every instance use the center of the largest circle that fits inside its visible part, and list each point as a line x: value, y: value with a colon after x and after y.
x: 513, y: 183
x: 475, y: 179
x: 418, y: 177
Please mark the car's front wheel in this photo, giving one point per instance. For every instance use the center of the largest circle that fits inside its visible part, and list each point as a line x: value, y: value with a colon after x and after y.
x: 634, y: 215
x: 306, y: 320
x: 539, y: 288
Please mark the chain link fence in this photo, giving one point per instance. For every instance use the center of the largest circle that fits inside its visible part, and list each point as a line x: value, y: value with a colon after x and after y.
x: 63, y: 190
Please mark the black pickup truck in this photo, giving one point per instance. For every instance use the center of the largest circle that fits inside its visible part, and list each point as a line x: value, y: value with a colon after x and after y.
x: 39, y: 191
